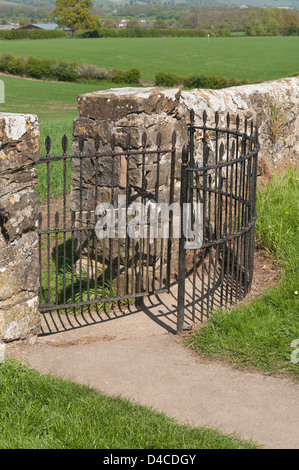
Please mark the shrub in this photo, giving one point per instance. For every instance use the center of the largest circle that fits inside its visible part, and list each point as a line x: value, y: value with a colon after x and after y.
x: 65, y: 72
x: 130, y: 76
x: 224, y: 33
x: 195, y: 81
x: 4, y: 60
x: 90, y: 34
x: 118, y: 76
x: 37, y: 68
x: 92, y: 72
x: 16, y: 66
x: 108, y: 33
x: 216, y: 81
x: 202, y: 81
x: 168, y: 79
x: 236, y: 82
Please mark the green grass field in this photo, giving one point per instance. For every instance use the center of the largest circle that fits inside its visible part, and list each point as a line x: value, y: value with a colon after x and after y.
x: 256, y: 58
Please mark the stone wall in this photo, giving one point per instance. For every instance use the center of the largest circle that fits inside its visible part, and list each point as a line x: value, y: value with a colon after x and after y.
x: 120, y: 112
x: 19, y: 149
x: 127, y: 112
x: 274, y: 106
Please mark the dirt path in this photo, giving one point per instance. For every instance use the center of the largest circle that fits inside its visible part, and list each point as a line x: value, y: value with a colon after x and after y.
x: 138, y: 357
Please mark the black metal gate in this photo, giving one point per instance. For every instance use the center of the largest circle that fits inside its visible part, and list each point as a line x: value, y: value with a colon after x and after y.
x: 89, y: 260
x: 80, y: 270
x: 218, y: 188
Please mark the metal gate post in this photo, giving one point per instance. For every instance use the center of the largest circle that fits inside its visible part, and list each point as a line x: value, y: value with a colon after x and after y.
x: 182, y: 250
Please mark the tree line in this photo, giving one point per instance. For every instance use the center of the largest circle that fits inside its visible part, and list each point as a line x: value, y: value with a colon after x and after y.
x: 167, y: 20
x: 272, y: 22
x: 252, y: 21
x: 216, y: 21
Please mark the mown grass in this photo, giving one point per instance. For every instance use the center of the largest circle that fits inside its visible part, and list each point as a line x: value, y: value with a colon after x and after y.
x: 44, y: 412
x: 259, y: 335
x: 253, y: 58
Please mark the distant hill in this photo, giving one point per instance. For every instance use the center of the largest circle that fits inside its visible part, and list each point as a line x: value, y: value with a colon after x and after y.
x: 201, y: 3
x: 30, y: 3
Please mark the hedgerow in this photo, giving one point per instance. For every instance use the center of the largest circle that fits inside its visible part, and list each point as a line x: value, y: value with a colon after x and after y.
x: 197, y: 81
x: 48, y: 69
x: 31, y: 34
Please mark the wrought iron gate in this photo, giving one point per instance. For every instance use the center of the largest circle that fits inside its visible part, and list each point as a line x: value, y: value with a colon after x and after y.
x: 218, y: 182
x: 79, y: 269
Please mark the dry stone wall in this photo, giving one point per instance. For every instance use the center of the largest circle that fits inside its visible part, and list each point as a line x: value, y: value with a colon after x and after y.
x: 19, y: 149
x: 274, y: 106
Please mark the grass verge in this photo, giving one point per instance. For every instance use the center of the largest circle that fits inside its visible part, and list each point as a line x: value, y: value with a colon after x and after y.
x: 259, y: 335
x: 44, y: 412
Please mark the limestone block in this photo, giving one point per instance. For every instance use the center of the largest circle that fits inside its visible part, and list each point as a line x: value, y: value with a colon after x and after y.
x: 19, y: 317
x: 19, y: 141
x: 19, y: 268
x: 254, y: 102
x: 118, y: 103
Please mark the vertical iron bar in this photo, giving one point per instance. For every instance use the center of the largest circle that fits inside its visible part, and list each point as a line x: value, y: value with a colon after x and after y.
x: 246, y: 222
x: 158, y: 143
x: 48, y: 226
x: 64, y: 217
x: 141, y: 284
x: 229, y: 263
x: 182, y: 239
x: 223, y: 248
x: 73, y: 218
x: 239, y: 239
x: 40, y: 222
x: 88, y: 217
x: 80, y: 225
x: 111, y: 244
x: 56, y: 256
x: 210, y: 237
x: 128, y: 194
x: 226, y: 221
x: 171, y: 200
x: 204, y: 218
x: 96, y: 219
